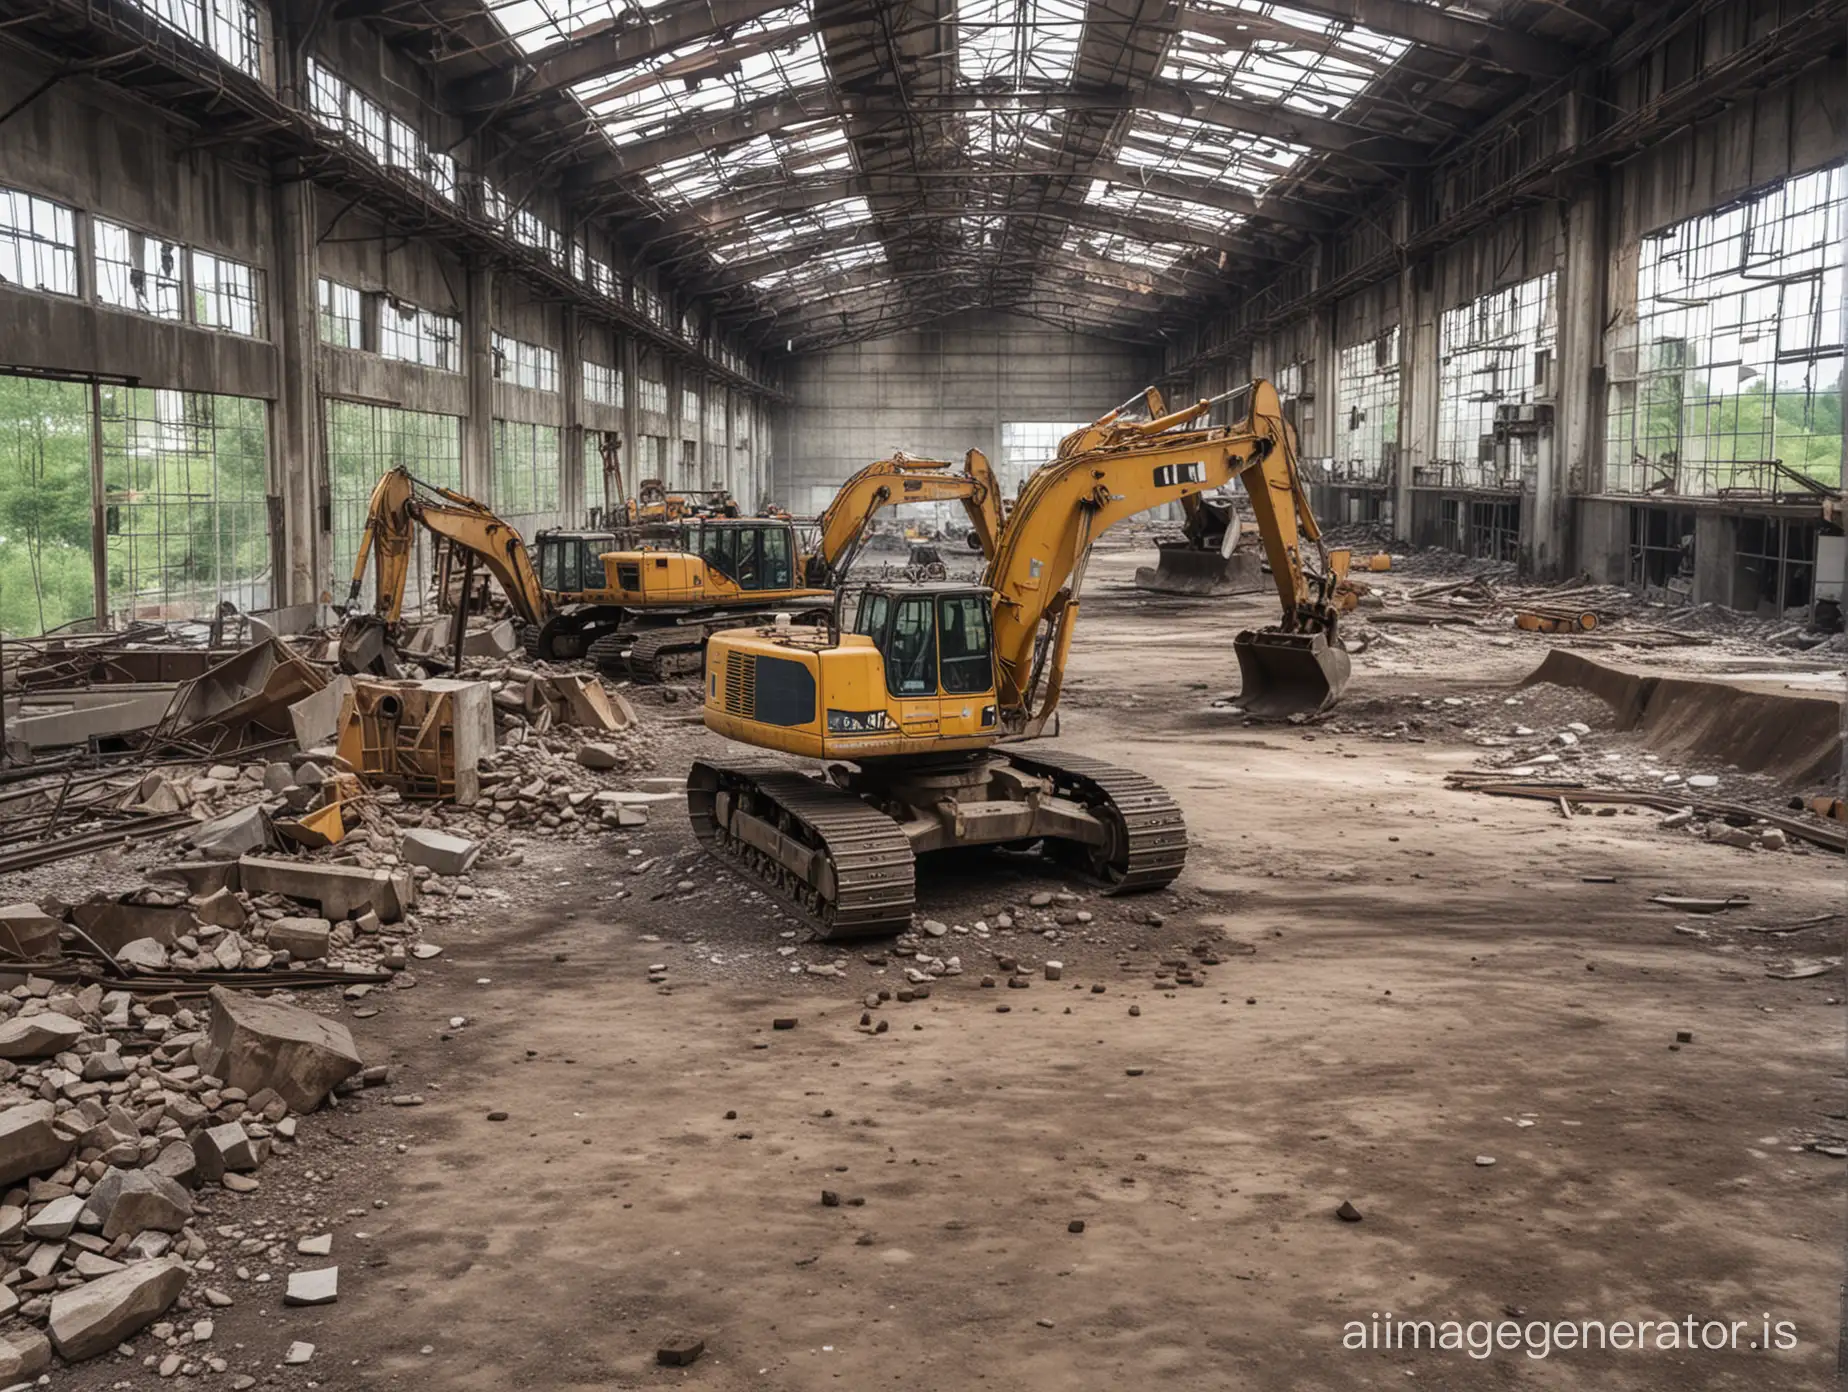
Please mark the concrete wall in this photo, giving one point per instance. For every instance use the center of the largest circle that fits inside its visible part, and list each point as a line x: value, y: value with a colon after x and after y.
x: 938, y: 392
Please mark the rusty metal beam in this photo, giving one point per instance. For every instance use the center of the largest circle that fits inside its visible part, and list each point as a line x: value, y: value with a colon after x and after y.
x: 1446, y: 31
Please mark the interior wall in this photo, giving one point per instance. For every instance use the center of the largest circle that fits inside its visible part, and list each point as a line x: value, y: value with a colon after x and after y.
x: 938, y: 392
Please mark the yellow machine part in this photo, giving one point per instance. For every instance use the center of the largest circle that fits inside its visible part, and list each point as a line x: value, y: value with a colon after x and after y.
x: 643, y: 579
x: 765, y: 687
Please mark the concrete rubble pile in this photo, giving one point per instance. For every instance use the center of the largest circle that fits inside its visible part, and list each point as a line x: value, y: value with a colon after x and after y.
x: 127, y: 1129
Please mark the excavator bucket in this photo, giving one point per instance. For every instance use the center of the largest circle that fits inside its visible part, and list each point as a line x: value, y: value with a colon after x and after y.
x: 1191, y: 570
x: 1284, y: 674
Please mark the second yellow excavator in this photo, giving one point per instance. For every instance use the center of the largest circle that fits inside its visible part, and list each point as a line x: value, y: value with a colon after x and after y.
x: 644, y: 612
x: 909, y: 704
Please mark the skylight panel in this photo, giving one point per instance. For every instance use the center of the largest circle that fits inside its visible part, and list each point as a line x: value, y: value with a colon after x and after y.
x: 802, y: 152
x: 1119, y: 248
x: 771, y: 233
x: 1273, y: 53
x: 709, y: 76
x: 1019, y: 43
x: 815, y: 269
x: 1127, y: 198
x: 1177, y: 145
x: 537, y: 24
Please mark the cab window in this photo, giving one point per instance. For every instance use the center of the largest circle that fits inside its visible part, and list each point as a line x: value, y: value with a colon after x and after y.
x: 911, y: 648
x: 774, y: 558
x: 559, y: 565
x: 871, y: 618
x: 962, y: 623
x: 718, y: 547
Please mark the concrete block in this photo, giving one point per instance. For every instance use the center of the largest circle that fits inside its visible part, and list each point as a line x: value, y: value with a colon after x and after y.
x: 255, y: 1044
x: 28, y: 931
x: 29, y: 1144
x: 95, y: 1317
x: 234, y: 834
x: 439, y: 850
x: 341, y: 891
x: 38, y: 1036
x: 304, y: 939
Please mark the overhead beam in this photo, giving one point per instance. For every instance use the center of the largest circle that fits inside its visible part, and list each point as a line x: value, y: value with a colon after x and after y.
x: 766, y: 116
x: 611, y: 50
x: 1279, y: 123
x: 1213, y: 195
x: 1446, y: 31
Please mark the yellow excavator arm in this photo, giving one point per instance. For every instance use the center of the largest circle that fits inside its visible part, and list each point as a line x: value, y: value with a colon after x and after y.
x: 1114, y: 469
x: 392, y: 517
x: 902, y: 479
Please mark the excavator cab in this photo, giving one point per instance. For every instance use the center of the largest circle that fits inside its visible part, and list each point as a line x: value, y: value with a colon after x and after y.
x: 571, y: 562
x: 935, y: 641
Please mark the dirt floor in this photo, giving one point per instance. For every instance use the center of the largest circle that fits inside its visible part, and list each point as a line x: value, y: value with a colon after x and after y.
x: 1409, y: 981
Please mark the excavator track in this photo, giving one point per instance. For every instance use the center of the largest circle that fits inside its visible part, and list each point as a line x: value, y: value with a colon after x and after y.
x: 654, y: 654
x: 829, y: 857
x: 1152, y: 846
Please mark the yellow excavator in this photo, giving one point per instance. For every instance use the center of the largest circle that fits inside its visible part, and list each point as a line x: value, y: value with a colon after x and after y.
x: 907, y: 703
x: 643, y: 612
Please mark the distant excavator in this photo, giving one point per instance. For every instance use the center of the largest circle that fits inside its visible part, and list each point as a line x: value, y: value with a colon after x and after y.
x: 908, y: 703
x: 1209, y: 557
x: 643, y: 612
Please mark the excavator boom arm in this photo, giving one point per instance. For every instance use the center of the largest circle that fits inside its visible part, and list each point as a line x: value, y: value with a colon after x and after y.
x: 1116, y: 472
x: 901, y: 479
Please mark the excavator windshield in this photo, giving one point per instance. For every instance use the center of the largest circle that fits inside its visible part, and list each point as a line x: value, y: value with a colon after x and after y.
x: 753, y: 556
x: 932, y: 640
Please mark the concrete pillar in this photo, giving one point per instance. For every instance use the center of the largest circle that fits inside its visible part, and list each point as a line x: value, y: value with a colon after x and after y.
x: 1418, y: 344
x: 1578, y: 377
x: 1327, y: 363
x: 478, y: 365
x: 571, y: 504
x: 296, y: 453
x: 629, y: 360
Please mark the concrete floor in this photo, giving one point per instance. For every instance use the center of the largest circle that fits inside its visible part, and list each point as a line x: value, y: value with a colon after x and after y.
x: 1428, y: 969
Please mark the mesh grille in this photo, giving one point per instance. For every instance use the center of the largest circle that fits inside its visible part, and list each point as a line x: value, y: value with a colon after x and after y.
x: 741, y: 685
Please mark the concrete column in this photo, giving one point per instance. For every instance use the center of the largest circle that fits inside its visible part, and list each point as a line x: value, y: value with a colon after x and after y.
x: 629, y: 360
x: 1327, y: 375
x: 1418, y: 325
x: 1573, y: 464
x: 297, y: 454
x: 478, y: 365
x: 571, y: 504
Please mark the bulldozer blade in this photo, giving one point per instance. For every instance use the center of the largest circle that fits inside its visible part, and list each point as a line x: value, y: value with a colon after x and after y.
x: 1189, y: 570
x: 1286, y: 674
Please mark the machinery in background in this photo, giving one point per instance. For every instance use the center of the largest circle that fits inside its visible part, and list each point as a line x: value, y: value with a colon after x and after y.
x: 1211, y: 556
x: 908, y: 701
x: 642, y: 611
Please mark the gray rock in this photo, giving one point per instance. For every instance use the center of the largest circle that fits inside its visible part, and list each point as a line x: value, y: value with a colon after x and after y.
x: 28, y: 1143
x: 56, y: 1219
x: 178, y: 1162
x: 277, y: 776
x: 321, y: 1287
x: 143, y: 954
x: 38, y: 1036
x: 94, y: 1318
x: 222, y: 1148
x: 600, y: 756
x: 439, y: 851
x: 128, y: 1202
x: 304, y: 939
x: 234, y: 834
x: 220, y: 908
x: 256, y: 1044
x: 24, y: 1353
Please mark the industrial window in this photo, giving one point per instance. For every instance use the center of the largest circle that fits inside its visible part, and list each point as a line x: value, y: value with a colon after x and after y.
x: 1367, y: 398
x: 1661, y: 556
x: 1775, y: 560
x: 420, y: 336
x: 689, y: 408
x: 651, y: 303
x: 593, y: 271
x: 651, y: 395
x: 229, y: 28
x: 525, y: 364
x: 338, y: 314
x: 1737, y: 360
x: 365, y: 441
x: 227, y: 294
x: 138, y: 271
x: 186, y: 515
x: 530, y: 230
x: 47, y: 573
x: 1025, y: 445
x: 809, y: 150
x: 1494, y: 353
x: 602, y: 385
x: 526, y: 470
x: 389, y: 140
x: 689, y: 463
x: 38, y: 243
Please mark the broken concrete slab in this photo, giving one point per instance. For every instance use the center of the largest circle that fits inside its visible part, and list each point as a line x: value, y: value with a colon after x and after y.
x: 29, y: 932
x: 235, y: 834
x: 95, y: 1317
x: 341, y: 891
x: 304, y: 939
x: 127, y: 1202
x: 201, y: 877
x: 254, y: 1044
x: 29, y: 1144
x: 600, y: 756
x: 38, y: 1036
x: 439, y: 850
x: 55, y: 1220
x: 320, y: 1287
x: 179, y: 1162
x: 111, y: 923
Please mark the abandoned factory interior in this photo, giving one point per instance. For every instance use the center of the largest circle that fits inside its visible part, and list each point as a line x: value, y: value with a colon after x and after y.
x: 922, y: 694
